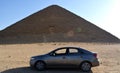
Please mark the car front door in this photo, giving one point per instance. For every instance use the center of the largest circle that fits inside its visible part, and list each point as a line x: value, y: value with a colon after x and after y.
x: 58, y: 58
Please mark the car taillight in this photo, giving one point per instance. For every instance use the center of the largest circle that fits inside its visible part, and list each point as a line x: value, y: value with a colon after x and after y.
x: 95, y: 55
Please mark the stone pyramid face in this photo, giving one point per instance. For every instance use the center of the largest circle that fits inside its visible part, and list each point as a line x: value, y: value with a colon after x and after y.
x: 56, y: 24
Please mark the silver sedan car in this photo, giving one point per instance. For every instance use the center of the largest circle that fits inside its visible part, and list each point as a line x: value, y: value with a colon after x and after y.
x: 66, y: 57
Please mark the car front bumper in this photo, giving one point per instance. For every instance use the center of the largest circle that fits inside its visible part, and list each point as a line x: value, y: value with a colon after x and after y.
x: 32, y: 63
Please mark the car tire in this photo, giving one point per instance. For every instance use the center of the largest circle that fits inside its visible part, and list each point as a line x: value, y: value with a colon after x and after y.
x: 85, y: 66
x: 40, y: 65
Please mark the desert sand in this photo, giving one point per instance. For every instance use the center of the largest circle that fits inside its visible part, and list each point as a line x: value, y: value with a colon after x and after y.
x: 14, y: 58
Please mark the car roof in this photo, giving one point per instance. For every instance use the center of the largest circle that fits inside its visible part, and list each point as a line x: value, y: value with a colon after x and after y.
x: 65, y: 48
x: 80, y: 49
x: 76, y: 48
x: 71, y: 47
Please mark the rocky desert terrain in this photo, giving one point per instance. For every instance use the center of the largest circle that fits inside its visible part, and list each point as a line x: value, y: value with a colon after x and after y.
x: 14, y: 58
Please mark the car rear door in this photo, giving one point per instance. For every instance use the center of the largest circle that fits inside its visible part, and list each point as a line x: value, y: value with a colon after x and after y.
x: 74, y: 57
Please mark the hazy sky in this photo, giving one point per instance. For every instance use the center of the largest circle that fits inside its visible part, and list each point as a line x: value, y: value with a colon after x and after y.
x: 103, y: 13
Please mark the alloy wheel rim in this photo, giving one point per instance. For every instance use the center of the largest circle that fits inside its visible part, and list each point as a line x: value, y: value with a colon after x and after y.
x: 86, y: 66
x: 40, y: 65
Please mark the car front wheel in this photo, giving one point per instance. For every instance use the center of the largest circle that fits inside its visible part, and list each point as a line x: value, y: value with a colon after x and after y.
x: 85, y: 66
x: 40, y: 65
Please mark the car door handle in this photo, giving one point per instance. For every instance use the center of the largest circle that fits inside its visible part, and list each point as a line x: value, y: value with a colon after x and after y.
x: 63, y: 57
x: 80, y: 56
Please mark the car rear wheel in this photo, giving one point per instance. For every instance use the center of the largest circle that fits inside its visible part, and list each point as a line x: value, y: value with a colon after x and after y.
x: 40, y: 65
x: 85, y: 66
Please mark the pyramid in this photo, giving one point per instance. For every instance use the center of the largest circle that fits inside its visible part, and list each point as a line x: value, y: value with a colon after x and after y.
x: 54, y: 24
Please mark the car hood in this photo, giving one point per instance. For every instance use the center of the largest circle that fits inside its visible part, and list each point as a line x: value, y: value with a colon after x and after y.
x: 38, y: 56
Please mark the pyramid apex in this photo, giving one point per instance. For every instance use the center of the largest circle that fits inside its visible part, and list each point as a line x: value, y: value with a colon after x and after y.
x: 54, y: 6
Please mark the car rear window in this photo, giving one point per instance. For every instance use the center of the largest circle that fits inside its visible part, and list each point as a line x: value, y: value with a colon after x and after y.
x: 73, y: 51
x: 85, y: 51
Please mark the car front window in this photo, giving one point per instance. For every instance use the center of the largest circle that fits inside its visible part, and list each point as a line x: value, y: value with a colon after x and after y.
x: 60, y: 52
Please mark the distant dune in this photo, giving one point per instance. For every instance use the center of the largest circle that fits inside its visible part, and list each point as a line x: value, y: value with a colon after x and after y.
x: 54, y: 24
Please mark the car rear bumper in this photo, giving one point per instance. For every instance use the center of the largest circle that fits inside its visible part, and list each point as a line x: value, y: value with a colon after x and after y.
x: 95, y: 63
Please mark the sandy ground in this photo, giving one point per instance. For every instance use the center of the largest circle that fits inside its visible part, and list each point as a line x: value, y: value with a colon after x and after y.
x: 15, y: 58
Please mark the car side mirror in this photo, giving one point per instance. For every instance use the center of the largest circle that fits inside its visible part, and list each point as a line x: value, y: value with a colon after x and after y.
x: 52, y: 54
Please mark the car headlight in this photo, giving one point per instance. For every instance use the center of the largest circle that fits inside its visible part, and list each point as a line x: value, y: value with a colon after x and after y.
x: 32, y: 58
